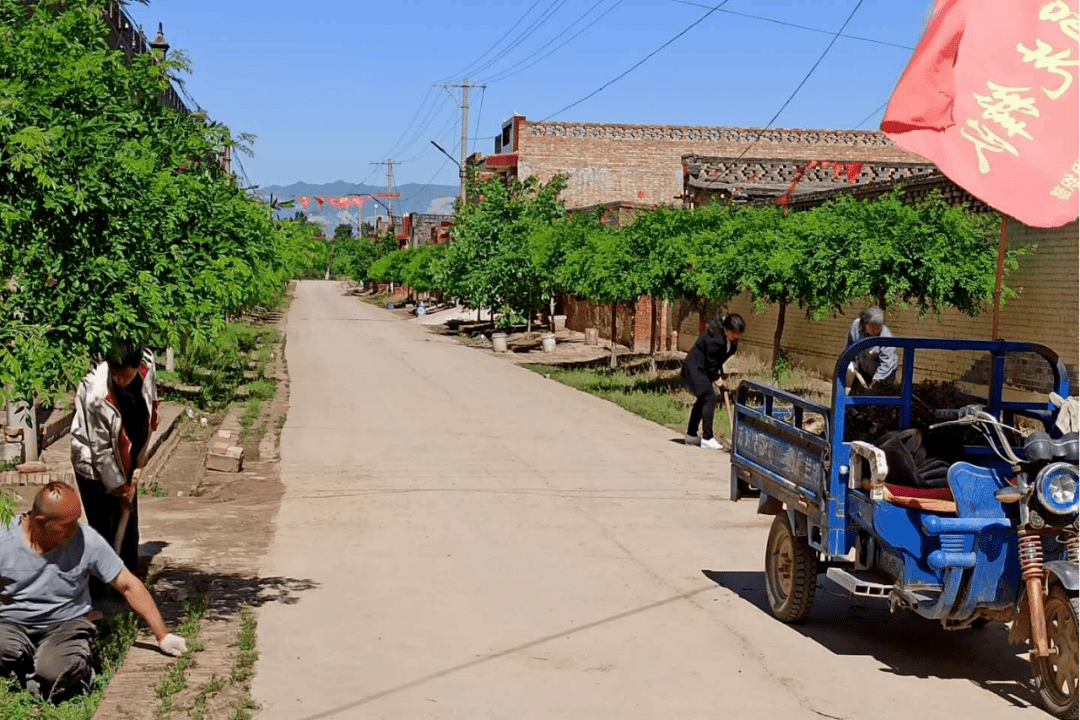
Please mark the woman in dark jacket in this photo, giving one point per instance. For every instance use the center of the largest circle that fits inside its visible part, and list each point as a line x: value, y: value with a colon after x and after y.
x: 703, y: 366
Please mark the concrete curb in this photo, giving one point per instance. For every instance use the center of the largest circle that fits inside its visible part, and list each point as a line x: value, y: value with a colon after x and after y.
x: 14, y: 477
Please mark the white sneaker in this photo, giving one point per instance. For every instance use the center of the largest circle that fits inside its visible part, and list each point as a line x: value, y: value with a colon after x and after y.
x: 691, y: 440
x: 712, y: 444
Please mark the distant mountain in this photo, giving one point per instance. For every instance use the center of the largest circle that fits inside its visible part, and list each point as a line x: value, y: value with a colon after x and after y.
x: 433, y: 199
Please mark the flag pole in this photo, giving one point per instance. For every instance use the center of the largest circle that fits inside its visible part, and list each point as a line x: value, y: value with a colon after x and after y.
x: 999, y: 277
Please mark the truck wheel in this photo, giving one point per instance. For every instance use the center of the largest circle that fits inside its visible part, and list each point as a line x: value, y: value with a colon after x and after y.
x: 791, y: 570
x: 1056, y: 675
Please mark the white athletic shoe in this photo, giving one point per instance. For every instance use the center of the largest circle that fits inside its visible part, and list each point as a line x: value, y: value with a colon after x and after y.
x: 691, y: 440
x: 712, y: 444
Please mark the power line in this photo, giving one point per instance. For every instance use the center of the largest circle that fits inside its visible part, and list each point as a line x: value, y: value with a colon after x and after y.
x: 814, y: 66
x: 484, y: 54
x: 409, y: 126
x: 801, y: 27
x: 875, y: 112
x: 510, y: 71
x: 639, y: 63
x: 516, y: 42
x: 795, y: 92
x: 479, y: 112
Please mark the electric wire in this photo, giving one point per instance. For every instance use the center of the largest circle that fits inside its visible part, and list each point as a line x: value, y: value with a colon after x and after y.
x: 791, y: 96
x: 801, y: 27
x: 639, y: 63
x: 494, y: 45
x: 479, y: 113
x: 555, y: 6
x: 872, y: 114
x: 815, y: 65
x: 510, y: 71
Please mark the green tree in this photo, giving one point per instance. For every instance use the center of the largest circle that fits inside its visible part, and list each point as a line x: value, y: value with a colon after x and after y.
x: 491, y: 260
x: 343, y: 231
x: 605, y: 269
x: 116, y: 217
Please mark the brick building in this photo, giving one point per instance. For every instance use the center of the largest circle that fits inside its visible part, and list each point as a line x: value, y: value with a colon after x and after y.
x: 423, y: 228
x: 643, y: 163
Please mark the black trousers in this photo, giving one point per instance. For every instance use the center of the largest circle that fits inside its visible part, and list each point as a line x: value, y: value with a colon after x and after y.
x: 702, y: 413
x: 103, y: 514
x: 53, y: 663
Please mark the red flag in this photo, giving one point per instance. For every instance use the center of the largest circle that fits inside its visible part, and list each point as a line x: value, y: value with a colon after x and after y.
x: 305, y: 201
x: 990, y: 97
x: 319, y: 200
x: 853, y: 170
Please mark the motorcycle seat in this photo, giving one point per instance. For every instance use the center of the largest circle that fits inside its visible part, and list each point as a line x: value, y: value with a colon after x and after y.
x: 938, y: 500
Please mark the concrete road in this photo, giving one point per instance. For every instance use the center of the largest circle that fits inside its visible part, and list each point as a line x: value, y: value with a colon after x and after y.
x: 487, y: 543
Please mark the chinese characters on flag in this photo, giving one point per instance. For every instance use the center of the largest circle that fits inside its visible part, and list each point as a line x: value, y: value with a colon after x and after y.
x: 990, y: 97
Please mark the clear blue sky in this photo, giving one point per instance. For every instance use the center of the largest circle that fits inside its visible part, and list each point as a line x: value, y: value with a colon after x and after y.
x: 328, y: 86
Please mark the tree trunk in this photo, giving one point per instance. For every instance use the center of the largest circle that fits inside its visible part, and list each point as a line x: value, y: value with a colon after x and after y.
x: 614, y: 327
x: 702, y: 323
x: 170, y: 362
x: 30, y: 440
x: 881, y: 299
x: 551, y: 312
x: 528, y: 324
x: 478, y: 318
x: 778, y: 334
x: 653, y: 332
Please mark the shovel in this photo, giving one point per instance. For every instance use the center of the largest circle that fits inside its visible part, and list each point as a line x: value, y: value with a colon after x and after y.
x: 125, y: 514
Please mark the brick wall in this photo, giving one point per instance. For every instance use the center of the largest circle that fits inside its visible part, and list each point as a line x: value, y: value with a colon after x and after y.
x: 643, y: 163
x: 581, y: 314
x: 1045, y: 310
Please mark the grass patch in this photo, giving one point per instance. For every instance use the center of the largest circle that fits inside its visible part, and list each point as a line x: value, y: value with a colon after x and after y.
x: 246, y: 654
x: 661, y: 399
x: 153, y: 489
x: 251, y: 412
x: 115, y: 636
x: 243, y: 667
x: 209, y: 688
x: 175, y: 678
x: 263, y: 388
x: 664, y: 399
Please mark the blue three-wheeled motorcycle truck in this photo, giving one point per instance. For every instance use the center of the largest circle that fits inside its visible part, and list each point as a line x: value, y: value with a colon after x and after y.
x: 965, y: 514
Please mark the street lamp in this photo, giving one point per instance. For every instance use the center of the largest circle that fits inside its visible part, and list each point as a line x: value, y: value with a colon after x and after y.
x: 446, y: 153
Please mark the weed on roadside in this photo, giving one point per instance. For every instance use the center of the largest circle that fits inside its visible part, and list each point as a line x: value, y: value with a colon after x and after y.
x: 153, y: 489
x: 246, y: 655
x: 263, y: 388
x: 115, y: 636
x: 251, y: 412
x: 175, y: 678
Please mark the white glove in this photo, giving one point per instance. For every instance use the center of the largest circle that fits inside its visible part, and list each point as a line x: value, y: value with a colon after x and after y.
x: 173, y: 645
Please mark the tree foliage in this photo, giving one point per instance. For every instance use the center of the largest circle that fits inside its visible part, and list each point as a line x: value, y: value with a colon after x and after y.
x: 115, y: 216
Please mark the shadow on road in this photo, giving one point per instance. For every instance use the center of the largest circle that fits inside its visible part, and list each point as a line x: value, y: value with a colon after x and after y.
x: 905, y: 643
x: 225, y: 593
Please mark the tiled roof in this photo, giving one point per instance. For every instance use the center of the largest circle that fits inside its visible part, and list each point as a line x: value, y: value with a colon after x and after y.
x: 749, y: 179
x: 913, y: 190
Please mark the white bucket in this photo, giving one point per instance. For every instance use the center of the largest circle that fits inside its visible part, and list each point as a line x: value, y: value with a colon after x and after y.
x: 547, y: 342
x: 498, y: 342
x: 592, y: 336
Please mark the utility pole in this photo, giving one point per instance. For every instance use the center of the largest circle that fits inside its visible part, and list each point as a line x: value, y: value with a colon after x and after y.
x: 389, y: 186
x: 465, y: 86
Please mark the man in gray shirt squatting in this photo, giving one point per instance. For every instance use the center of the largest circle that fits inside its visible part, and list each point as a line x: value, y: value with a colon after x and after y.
x: 46, y: 560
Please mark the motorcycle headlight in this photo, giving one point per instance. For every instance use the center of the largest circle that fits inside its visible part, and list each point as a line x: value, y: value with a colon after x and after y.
x: 1058, y: 486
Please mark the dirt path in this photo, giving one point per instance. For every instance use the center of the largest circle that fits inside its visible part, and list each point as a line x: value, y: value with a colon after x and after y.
x: 482, y: 542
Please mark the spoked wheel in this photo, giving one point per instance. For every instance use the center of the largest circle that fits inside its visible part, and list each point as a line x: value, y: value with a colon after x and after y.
x: 1056, y: 675
x: 791, y: 569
